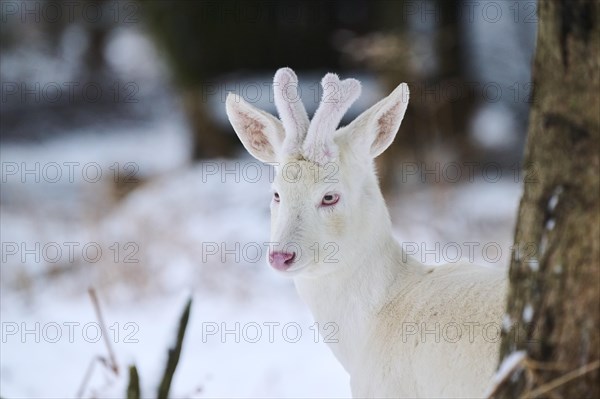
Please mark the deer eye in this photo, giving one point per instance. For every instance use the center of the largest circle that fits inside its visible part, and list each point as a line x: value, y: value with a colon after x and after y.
x: 330, y: 199
x: 276, y: 196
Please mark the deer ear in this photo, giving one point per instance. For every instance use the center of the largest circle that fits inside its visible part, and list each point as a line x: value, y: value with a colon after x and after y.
x: 376, y: 128
x: 260, y: 132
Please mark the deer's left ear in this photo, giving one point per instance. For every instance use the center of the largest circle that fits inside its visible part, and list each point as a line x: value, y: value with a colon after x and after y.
x: 260, y: 132
x: 376, y: 128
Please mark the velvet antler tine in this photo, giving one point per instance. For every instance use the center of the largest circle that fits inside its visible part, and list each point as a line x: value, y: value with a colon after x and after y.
x: 337, y: 98
x: 291, y: 110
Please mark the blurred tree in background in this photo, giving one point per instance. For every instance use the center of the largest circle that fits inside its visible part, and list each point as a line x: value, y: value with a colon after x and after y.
x: 429, y: 52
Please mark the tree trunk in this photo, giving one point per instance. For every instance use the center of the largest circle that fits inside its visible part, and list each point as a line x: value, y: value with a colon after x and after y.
x: 553, y: 300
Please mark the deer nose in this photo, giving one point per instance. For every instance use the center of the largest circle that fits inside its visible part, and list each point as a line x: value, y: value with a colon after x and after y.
x: 281, y: 260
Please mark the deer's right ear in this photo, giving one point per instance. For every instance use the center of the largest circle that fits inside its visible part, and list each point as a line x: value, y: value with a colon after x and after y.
x: 260, y: 132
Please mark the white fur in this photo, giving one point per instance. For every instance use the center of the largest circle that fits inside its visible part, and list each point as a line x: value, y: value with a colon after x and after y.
x: 337, y: 97
x: 291, y: 110
x: 351, y: 271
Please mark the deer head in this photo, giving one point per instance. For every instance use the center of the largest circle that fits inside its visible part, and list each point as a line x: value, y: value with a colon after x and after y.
x: 326, y: 200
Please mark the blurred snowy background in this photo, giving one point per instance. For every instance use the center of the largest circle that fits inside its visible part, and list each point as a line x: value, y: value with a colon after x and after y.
x: 120, y: 172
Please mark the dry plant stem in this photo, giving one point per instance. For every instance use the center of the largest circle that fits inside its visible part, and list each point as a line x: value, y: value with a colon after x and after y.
x: 544, y: 389
x: 86, y: 378
x: 88, y: 374
x: 113, y: 362
x: 530, y: 365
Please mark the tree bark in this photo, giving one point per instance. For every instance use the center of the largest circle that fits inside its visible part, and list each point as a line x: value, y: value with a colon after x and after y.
x: 553, y: 301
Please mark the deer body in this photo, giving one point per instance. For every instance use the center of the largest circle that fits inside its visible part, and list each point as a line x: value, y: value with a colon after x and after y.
x: 397, y: 346
x: 404, y: 329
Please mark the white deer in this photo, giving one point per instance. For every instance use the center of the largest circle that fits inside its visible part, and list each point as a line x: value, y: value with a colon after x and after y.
x: 404, y: 329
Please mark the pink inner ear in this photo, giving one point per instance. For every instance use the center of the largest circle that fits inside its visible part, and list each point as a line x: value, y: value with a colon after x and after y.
x: 387, y: 125
x: 258, y: 139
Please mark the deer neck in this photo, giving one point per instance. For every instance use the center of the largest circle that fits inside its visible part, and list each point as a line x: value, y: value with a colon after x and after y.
x: 350, y: 297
